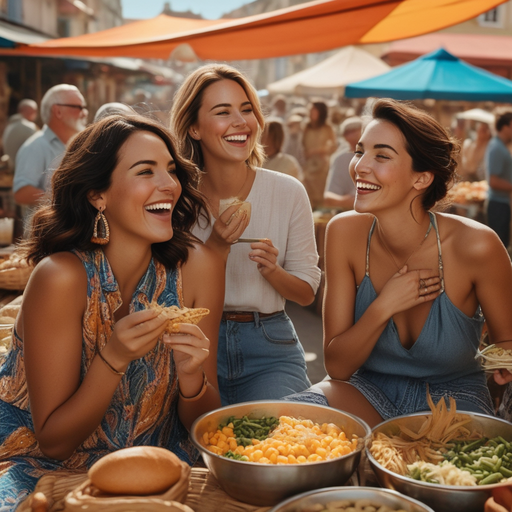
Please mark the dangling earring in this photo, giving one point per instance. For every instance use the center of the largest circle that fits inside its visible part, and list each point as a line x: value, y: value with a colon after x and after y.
x: 101, y: 233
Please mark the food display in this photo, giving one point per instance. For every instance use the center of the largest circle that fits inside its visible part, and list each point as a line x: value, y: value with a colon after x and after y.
x: 362, y: 505
x: 136, y: 471
x: 177, y: 316
x: 287, y: 440
x: 444, y: 451
x: 495, y: 358
x: 467, y: 192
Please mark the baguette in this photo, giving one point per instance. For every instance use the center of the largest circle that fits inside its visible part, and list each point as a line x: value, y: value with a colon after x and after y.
x: 136, y: 471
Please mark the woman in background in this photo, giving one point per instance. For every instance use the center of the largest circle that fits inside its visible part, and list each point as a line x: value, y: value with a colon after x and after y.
x: 90, y: 370
x: 319, y: 141
x: 216, y: 118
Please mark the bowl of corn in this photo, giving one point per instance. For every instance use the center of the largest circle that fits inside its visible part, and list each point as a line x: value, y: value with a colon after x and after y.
x: 345, y: 499
x: 457, y: 475
x: 262, y: 452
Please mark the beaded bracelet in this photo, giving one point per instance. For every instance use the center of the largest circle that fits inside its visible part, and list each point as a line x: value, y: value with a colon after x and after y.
x: 109, y: 365
x: 202, y: 391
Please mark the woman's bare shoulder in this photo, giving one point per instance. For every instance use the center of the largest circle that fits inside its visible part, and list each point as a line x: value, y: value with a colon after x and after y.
x: 58, y: 273
x: 470, y: 239
x: 202, y: 259
x: 57, y: 286
x: 351, y: 222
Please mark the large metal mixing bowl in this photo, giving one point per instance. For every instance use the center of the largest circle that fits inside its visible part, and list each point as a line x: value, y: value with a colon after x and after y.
x: 392, y: 499
x: 266, y: 484
x: 442, y: 498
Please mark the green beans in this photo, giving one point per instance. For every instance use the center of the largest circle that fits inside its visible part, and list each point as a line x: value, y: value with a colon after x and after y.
x: 246, y: 429
x: 488, y: 460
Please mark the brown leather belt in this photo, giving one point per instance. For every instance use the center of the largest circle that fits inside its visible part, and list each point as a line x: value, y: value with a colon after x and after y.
x: 245, y: 316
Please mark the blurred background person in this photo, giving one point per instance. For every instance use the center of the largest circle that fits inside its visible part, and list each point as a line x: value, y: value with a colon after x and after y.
x: 64, y: 114
x: 19, y: 128
x: 293, y: 140
x: 340, y: 190
x: 279, y: 107
x: 112, y: 108
x: 319, y: 142
x: 272, y: 139
x: 473, y: 153
x: 498, y: 164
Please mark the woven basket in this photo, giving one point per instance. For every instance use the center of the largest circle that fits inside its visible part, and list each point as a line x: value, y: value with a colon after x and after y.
x: 15, y: 278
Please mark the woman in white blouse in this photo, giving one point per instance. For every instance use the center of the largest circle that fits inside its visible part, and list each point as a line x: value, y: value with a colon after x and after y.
x: 217, y: 120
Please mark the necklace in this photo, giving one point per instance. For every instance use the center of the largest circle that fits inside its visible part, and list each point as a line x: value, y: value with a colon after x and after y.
x: 410, y: 255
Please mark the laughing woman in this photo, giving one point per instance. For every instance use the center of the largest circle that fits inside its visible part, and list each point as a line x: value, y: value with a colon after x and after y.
x: 90, y: 370
x: 406, y: 299
x: 217, y: 120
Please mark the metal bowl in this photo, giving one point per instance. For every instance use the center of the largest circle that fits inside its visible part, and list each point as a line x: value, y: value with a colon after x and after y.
x: 442, y: 498
x: 391, y: 499
x: 265, y: 484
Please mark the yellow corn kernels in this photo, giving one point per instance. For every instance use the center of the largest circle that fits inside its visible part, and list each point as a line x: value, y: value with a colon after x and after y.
x: 293, y: 441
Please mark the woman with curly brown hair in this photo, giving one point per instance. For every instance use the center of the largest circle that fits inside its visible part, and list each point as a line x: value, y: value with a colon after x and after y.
x: 91, y: 370
x: 407, y: 288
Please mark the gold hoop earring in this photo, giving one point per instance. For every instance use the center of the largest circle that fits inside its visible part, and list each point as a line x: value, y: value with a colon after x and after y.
x: 101, y: 233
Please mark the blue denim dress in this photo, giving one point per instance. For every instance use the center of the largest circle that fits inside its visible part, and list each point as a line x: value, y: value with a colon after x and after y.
x: 395, y: 379
x: 143, y: 410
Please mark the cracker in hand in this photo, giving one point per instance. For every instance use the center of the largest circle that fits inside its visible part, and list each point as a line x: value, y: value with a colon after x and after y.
x: 176, y: 316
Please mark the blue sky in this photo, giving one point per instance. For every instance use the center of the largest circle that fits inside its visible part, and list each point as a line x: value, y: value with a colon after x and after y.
x: 209, y: 9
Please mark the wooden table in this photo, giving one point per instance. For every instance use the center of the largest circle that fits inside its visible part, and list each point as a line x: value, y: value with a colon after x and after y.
x: 204, y: 492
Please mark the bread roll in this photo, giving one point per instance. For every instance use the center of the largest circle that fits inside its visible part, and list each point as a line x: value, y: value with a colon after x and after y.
x: 136, y: 471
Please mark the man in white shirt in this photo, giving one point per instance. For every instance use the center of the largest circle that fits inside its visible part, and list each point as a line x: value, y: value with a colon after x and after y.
x: 340, y: 190
x: 64, y: 112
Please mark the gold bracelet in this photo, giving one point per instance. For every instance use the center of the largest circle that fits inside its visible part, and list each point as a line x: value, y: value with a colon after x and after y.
x: 109, y: 365
x: 202, y: 391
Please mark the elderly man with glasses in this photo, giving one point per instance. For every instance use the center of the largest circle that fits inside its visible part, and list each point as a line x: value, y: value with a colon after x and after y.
x: 64, y: 114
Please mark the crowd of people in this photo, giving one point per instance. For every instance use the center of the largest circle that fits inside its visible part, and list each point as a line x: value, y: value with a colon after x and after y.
x: 126, y: 213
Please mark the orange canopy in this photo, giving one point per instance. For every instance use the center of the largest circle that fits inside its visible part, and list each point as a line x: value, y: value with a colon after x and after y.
x: 315, y: 26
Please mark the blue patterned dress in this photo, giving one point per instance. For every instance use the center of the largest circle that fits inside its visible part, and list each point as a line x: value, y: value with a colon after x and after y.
x: 143, y: 410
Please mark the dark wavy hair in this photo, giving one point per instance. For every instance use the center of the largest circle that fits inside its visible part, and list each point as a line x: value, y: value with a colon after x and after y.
x: 66, y: 220
x: 427, y: 142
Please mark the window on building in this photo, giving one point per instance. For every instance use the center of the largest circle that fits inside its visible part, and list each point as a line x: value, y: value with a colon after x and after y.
x: 63, y: 27
x: 493, y: 18
x: 15, y: 10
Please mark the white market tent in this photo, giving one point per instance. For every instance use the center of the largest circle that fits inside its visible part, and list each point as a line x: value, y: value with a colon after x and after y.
x: 330, y: 76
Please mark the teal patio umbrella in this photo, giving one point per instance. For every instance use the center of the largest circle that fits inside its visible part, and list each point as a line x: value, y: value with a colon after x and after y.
x: 438, y: 75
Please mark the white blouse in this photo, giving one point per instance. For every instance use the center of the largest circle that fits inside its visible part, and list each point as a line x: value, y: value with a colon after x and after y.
x: 280, y: 210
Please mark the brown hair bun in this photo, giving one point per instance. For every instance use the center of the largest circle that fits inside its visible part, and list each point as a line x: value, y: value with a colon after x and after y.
x: 136, y: 471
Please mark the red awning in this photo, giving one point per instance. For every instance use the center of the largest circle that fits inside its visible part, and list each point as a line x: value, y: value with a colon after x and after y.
x: 315, y: 26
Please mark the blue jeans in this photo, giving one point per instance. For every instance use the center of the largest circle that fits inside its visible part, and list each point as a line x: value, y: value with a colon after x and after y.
x: 260, y: 360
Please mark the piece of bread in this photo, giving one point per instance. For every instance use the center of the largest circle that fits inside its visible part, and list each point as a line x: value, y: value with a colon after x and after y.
x: 176, y: 316
x: 224, y: 204
x: 136, y: 471
x: 10, y: 310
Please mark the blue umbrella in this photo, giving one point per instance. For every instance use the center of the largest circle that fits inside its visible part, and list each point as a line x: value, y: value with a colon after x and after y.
x: 438, y: 75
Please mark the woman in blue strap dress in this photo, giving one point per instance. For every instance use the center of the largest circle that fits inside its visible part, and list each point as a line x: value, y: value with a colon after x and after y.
x: 407, y: 288
x: 91, y: 369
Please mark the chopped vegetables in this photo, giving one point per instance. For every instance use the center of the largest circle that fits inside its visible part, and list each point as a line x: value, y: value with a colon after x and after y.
x: 279, y: 441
